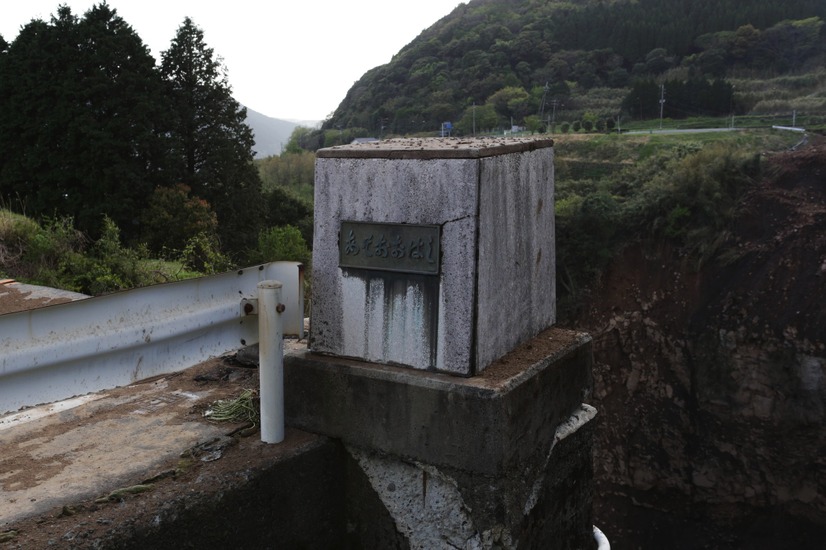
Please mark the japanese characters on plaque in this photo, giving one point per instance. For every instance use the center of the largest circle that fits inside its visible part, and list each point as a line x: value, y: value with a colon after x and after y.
x: 405, y: 248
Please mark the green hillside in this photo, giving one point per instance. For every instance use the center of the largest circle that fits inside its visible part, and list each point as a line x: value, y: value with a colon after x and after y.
x: 493, y: 63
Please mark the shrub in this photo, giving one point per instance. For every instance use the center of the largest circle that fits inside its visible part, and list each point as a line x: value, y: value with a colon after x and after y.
x: 284, y: 207
x: 174, y: 217
x: 15, y: 231
x: 107, y: 266
x: 282, y: 244
x: 45, y: 249
x: 55, y: 254
x: 202, y: 253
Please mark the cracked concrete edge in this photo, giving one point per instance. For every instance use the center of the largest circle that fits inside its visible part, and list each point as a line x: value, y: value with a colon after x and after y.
x: 426, y: 504
x: 577, y: 420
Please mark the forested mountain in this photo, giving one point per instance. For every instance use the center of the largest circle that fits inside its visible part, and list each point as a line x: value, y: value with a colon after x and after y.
x: 491, y: 62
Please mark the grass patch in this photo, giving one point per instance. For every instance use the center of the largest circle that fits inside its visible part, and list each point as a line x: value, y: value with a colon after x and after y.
x: 166, y: 271
x: 244, y: 408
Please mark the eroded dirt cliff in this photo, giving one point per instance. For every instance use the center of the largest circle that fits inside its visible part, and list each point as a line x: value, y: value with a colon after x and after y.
x: 710, y: 379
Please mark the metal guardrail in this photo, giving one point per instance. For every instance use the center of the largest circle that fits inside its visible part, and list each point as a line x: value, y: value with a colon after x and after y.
x: 64, y: 350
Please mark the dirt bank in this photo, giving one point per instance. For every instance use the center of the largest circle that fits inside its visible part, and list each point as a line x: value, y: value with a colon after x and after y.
x: 709, y: 380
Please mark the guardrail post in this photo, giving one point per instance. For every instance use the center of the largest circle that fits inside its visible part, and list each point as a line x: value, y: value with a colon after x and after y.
x: 271, y: 361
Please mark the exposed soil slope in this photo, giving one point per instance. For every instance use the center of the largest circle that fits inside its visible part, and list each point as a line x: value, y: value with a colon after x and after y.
x: 710, y: 381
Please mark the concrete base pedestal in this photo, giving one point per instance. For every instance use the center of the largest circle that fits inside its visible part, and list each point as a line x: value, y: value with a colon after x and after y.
x: 497, y: 460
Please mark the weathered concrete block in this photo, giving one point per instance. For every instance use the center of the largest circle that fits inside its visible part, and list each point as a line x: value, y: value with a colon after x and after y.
x: 547, y: 506
x: 492, y: 423
x: 490, y: 204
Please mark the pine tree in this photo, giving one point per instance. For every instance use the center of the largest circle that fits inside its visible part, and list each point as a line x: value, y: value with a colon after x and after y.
x: 212, y: 144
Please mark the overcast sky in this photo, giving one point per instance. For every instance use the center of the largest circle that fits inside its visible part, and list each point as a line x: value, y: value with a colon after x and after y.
x: 292, y: 59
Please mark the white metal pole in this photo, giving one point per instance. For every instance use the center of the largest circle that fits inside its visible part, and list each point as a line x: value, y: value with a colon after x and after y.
x: 271, y: 361
x: 602, y: 540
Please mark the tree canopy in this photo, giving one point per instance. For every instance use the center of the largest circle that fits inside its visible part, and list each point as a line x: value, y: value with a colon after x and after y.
x: 211, y: 144
x: 90, y: 126
x: 81, y: 106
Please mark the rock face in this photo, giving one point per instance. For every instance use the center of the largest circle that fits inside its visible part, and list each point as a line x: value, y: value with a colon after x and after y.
x: 711, y: 379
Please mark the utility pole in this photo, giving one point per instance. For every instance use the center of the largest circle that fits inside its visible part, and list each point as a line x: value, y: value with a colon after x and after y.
x: 474, y: 119
x: 662, y: 103
x: 542, y: 103
x: 554, y: 103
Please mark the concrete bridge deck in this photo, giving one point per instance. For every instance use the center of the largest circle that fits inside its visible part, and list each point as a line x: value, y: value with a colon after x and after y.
x: 106, y: 471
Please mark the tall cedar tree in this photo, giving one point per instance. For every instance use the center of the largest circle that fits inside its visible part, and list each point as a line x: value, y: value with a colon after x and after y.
x: 80, y: 106
x: 212, y: 145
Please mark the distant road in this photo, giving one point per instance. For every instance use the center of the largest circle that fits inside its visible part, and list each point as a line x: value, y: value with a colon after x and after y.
x: 704, y: 130
x: 691, y: 131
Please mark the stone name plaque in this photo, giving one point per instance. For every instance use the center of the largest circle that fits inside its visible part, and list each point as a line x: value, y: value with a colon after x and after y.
x: 405, y: 248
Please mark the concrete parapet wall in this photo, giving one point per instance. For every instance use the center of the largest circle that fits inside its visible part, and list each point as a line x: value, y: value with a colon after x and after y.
x: 297, y: 502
